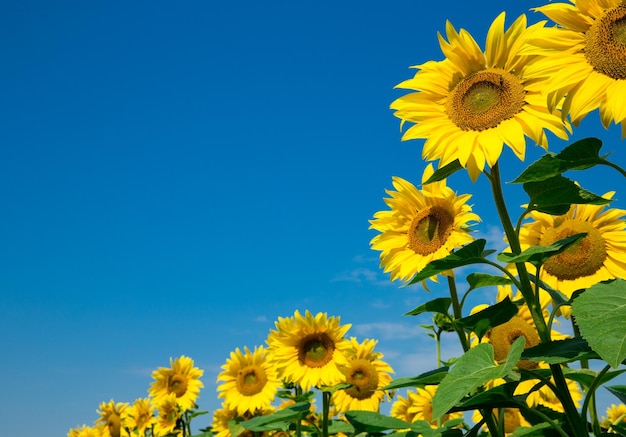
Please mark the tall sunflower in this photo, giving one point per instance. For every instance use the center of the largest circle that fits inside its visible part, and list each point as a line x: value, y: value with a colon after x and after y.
x: 600, y: 256
x: 309, y: 350
x: 368, y: 374
x: 422, y: 226
x: 472, y: 103
x: 587, y: 56
x: 249, y: 383
x: 138, y: 417
x: 110, y: 416
x: 418, y: 406
x: 181, y: 378
x: 169, y: 412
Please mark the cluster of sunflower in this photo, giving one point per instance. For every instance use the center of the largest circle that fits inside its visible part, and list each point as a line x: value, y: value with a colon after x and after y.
x: 529, y: 80
x: 167, y: 411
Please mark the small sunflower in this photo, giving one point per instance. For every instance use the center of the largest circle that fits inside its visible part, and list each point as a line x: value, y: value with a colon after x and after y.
x: 422, y: 226
x: 88, y: 431
x: 250, y: 381
x: 181, y: 378
x: 511, y: 417
x: 169, y: 412
x: 600, y: 256
x: 309, y: 350
x: 616, y: 414
x: 587, y: 55
x: 472, y: 103
x: 368, y: 374
x: 138, y: 417
x: 110, y: 415
x: 418, y: 406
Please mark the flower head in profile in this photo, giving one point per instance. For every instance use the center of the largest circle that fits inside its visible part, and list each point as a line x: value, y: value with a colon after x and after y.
x: 471, y: 104
x: 422, y: 226
x: 181, y: 378
x: 249, y: 382
x: 368, y: 374
x: 418, y: 406
x: 309, y: 350
x: 587, y: 58
x: 168, y: 413
x: 599, y: 256
x: 138, y: 417
x: 110, y: 416
x: 615, y: 415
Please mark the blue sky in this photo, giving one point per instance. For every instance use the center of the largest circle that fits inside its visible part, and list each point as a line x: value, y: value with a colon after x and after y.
x: 176, y: 175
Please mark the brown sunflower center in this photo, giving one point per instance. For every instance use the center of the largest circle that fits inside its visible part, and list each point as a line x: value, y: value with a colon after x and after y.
x: 178, y: 385
x: 605, y: 45
x: 315, y: 350
x: 502, y: 337
x: 430, y: 230
x: 364, y: 379
x: 484, y: 99
x: 251, y: 380
x: 579, y: 260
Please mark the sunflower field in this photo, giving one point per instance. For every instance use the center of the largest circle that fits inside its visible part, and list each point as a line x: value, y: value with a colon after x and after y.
x: 564, y: 265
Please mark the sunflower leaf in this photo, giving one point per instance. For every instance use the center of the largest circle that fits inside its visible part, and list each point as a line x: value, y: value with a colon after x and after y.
x: 586, y: 377
x: 477, y: 280
x: 443, y: 172
x: 483, y: 321
x: 533, y: 431
x: 619, y: 391
x: 556, y: 194
x: 278, y: 420
x: 472, y: 370
x: 538, y: 255
x: 580, y: 155
x: 432, y: 377
x: 500, y: 396
x: 560, y: 351
x: 371, y: 422
x: 600, y: 313
x: 438, y: 305
x: 472, y: 253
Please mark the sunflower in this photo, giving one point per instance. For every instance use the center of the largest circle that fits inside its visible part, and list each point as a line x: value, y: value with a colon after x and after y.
x: 88, y: 431
x: 138, y: 417
x: 169, y: 412
x: 309, y: 350
x: 418, y: 406
x: 587, y: 55
x: 511, y: 417
x: 181, y: 378
x: 110, y: 415
x: 250, y: 382
x: 472, y: 103
x: 616, y: 414
x: 544, y: 395
x: 422, y: 226
x: 368, y: 374
x: 600, y: 256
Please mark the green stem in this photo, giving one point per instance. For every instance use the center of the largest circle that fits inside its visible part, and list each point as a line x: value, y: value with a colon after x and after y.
x: 590, y: 399
x: 298, y: 392
x: 615, y: 166
x: 458, y: 313
x: 325, y: 411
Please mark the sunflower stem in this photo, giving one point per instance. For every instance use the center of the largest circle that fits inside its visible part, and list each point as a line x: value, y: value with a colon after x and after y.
x: 458, y: 312
x: 298, y: 392
x: 615, y: 166
x: 325, y: 411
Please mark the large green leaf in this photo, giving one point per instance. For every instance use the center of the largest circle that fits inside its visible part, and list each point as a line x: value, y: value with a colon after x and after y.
x: 278, y: 420
x: 500, y: 396
x: 577, y: 156
x: 560, y: 351
x: 555, y: 195
x: 438, y: 305
x: 600, y: 313
x: 619, y: 391
x: 537, y: 255
x: 472, y: 253
x: 483, y: 321
x: 587, y: 376
x: 443, y: 172
x: 477, y: 280
x: 428, y: 378
x: 371, y: 422
x: 472, y: 370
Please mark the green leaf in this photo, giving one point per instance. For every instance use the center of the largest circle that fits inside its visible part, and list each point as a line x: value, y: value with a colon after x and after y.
x: 537, y: 255
x: 483, y: 321
x: 337, y: 426
x: 438, y: 305
x: 371, y: 422
x: 556, y: 194
x: 500, y: 396
x: 577, y: 156
x: 278, y: 420
x: 428, y: 378
x: 477, y: 280
x: 587, y: 376
x: 334, y: 388
x: 560, y: 351
x: 444, y: 172
x: 619, y: 391
x: 600, y: 313
x: 534, y: 431
x: 472, y: 370
x: 472, y: 253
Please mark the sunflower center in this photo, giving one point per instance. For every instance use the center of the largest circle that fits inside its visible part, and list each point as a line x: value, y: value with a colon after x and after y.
x: 251, y: 380
x: 178, y: 385
x: 430, y: 230
x: 315, y: 350
x: 584, y: 258
x: 364, y: 379
x: 484, y: 99
x: 605, y: 45
x: 502, y: 337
